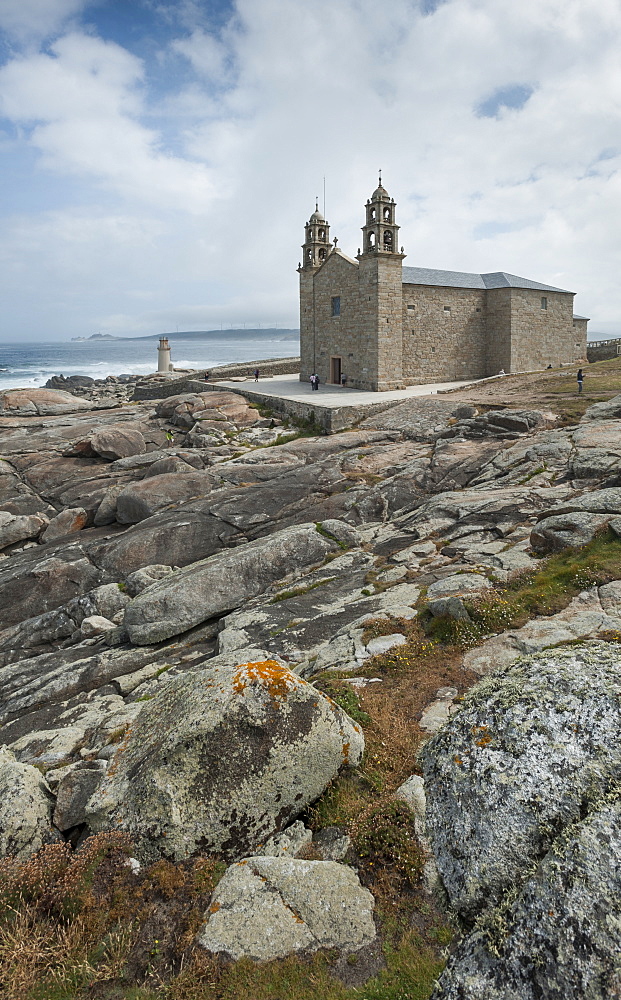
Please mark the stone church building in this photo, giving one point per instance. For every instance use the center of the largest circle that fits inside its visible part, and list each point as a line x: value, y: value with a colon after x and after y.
x: 386, y: 326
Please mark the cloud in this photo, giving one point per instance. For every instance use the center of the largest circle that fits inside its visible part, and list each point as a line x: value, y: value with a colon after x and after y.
x: 82, y: 103
x: 29, y: 21
x: 495, y: 124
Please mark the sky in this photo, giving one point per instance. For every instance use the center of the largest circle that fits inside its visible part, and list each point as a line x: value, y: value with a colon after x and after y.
x: 159, y: 158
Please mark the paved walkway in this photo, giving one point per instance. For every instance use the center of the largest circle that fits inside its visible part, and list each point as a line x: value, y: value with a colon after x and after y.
x: 333, y: 396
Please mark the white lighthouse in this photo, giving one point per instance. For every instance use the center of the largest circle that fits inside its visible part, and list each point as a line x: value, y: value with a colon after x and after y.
x: 163, y: 356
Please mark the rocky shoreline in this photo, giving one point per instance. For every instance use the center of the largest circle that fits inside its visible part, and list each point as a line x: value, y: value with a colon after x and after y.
x: 205, y: 612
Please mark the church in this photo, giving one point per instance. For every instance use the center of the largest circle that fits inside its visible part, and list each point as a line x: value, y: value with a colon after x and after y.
x: 383, y: 326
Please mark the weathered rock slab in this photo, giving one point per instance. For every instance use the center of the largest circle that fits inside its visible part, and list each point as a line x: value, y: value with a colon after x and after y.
x: 268, y: 908
x: 25, y: 808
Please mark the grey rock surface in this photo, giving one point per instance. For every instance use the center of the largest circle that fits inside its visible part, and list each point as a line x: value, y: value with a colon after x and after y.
x: 268, y: 908
x: 137, y: 501
x: 211, y: 586
x: 223, y: 758
x: 560, y: 937
x: 534, y: 745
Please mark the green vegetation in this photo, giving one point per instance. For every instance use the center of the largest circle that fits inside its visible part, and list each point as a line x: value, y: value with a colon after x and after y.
x: 542, y: 592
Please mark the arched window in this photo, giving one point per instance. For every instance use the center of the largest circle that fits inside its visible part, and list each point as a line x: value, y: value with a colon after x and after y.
x: 372, y: 215
x: 321, y: 234
x: 309, y: 255
x: 322, y: 253
x: 388, y: 239
x: 371, y: 241
x: 387, y: 215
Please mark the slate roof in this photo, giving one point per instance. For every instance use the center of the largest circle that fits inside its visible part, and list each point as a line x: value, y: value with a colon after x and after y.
x: 463, y: 279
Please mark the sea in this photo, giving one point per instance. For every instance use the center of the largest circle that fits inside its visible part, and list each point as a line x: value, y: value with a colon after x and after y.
x: 28, y: 365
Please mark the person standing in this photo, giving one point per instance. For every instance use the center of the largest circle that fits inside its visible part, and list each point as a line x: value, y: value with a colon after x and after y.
x: 580, y: 380
x: 256, y: 374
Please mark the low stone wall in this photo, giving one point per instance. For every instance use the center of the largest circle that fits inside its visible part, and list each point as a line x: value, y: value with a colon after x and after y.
x: 160, y: 389
x: 604, y: 350
x: 327, y: 418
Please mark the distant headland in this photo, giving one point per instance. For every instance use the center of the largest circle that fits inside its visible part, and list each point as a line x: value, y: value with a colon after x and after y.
x: 285, y: 333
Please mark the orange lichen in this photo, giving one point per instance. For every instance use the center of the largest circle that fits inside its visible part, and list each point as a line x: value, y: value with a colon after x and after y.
x: 278, y: 681
x: 214, y: 907
x: 457, y: 759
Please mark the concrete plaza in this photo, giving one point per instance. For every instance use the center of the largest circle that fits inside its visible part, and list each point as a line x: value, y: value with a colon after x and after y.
x: 332, y: 396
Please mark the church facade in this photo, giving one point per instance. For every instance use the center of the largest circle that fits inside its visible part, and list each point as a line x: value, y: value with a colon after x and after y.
x: 385, y: 326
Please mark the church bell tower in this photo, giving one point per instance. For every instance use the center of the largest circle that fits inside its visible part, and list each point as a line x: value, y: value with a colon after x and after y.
x: 381, y: 233
x: 316, y: 245
x: 380, y: 282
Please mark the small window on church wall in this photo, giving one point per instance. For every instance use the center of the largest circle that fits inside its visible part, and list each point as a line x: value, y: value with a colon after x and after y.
x: 412, y: 308
x: 371, y: 241
x: 386, y: 215
x: 447, y: 309
x: 372, y: 214
x: 336, y: 305
x: 309, y: 254
x: 322, y: 253
x: 322, y: 234
x: 544, y: 302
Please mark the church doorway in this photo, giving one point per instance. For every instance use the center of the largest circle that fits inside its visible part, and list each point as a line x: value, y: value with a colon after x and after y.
x: 335, y: 371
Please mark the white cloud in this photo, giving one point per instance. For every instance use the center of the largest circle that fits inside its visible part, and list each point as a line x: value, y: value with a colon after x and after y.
x: 29, y: 21
x: 225, y: 164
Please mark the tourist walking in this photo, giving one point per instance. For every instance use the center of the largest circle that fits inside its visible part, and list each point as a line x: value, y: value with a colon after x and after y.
x: 580, y: 380
x: 256, y: 374
x: 314, y: 381
x: 343, y: 379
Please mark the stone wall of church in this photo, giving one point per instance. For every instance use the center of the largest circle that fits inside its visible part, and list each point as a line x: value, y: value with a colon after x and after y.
x: 383, y: 274
x: 443, y: 333
x: 344, y: 335
x: 307, y: 334
x: 542, y: 329
x: 498, y: 331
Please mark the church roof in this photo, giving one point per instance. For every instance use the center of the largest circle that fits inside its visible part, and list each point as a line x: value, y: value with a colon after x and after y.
x: 463, y: 279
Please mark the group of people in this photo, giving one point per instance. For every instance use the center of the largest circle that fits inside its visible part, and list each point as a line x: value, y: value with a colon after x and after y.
x: 315, y: 380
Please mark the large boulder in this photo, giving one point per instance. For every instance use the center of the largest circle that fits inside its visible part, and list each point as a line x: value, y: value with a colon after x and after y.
x: 39, y: 402
x: 140, y: 500
x: 561, y: 936
x: 117, y: 441
x: 26, y: 805
x: 268, y: 908
x: 66, y: 523
x: 222, y: 758
x: 211, y: 586
x: 20, y: 527
x: 534, y: 745
x: 567, y: 531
